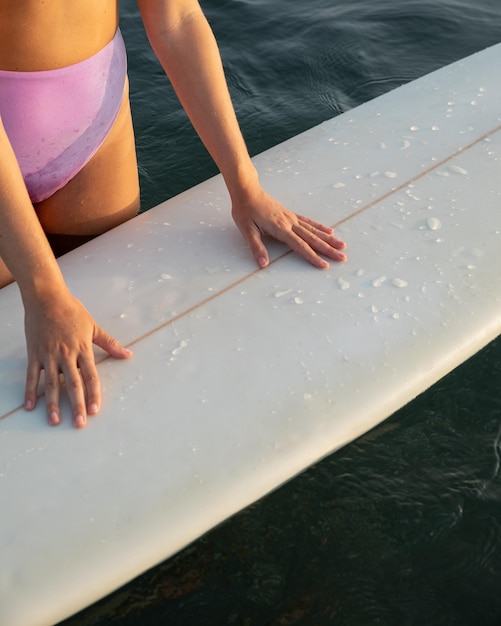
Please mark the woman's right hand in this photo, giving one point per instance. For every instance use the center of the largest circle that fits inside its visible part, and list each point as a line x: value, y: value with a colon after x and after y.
x: 59, y: 337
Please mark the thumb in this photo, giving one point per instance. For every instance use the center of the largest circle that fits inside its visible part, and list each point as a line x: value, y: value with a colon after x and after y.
x: 109, y: 344
x: 253, y: 236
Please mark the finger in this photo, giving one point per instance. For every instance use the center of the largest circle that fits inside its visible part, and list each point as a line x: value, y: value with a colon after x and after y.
x: 325, y: 234
x: 290, y: 232
x: 320, y: 242
x: 74, y: 388
x: 91, y: 383
x: 326, y: 229
x: 252, y: 234
x: 32, y: 380
x: 110, y: 345
x: 300, y: 245
x: 51, y: 385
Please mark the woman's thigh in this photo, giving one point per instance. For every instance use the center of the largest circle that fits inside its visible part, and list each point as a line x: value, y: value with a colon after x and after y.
x: 104, y: 193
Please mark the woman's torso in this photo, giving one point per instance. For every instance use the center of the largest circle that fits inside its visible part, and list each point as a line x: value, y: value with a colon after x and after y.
x: 39, y: 35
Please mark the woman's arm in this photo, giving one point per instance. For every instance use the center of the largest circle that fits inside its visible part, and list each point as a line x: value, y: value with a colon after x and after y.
x: 59, y: 331
x: 185, y: 46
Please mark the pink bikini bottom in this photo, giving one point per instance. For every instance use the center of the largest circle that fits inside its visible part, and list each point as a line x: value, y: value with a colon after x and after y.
x: 56, y: 120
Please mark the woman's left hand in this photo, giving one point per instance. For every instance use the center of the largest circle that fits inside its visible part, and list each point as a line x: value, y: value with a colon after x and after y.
x: 263, y: 215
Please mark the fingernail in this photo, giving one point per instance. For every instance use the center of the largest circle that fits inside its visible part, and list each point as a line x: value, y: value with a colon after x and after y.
x: 54, y: 418
x: 28, y: 405
x: 262, y: 262
x: 93, y: 408
x: 79, y: 421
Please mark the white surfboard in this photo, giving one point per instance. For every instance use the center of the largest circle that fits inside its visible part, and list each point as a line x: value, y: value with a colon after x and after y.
x: 243, y: 378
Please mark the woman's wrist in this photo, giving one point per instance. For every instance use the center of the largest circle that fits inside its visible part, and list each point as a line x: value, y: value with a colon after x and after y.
x: 242, y: 184
x: 45, y: 285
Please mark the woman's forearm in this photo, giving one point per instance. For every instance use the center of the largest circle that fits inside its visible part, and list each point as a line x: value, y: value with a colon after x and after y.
x: 185, y: 46
x: 23, y: 245
x: 59, y: 330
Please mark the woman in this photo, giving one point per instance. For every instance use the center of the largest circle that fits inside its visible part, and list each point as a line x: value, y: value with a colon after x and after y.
x: 68, y: 167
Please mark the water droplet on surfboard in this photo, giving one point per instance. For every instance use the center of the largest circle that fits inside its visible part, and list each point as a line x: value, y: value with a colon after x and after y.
x: 434, y: 223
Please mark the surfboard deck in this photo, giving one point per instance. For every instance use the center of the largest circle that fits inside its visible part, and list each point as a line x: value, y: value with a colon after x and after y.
x: 242, y: 378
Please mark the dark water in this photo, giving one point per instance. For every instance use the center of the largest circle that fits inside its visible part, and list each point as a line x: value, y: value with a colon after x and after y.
x: 402, y: 527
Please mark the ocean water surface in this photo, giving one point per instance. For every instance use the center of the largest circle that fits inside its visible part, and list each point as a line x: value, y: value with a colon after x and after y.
x: 403, y: 526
